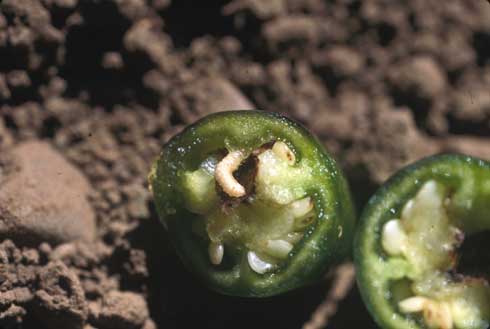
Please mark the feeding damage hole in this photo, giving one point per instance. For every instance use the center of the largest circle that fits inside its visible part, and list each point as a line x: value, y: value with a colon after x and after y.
x: 473, y: 256
x: 251, y: 205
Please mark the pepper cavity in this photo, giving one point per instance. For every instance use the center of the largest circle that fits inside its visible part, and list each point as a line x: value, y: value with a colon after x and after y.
x: 264, y: 221
x: 426, y: 238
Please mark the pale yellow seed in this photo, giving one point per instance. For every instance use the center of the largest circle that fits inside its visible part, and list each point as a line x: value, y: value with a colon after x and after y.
x: 293, y: 237
x: 216, y: 252
x: 301, y: 208
x: 413, y: 304
x: 394, y: 238
x: 407, y: 209
x: 283, y: 151
x: 436, y: 314
x: 429, y: 193
x: 258, y: 265
x: 278, y: 248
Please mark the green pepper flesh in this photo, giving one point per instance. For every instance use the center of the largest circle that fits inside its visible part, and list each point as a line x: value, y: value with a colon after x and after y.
x: 265, y: 227
x: 406, y: 249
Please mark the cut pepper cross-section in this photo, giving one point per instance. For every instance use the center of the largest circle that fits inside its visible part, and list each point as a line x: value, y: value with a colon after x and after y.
x: 252, y: 203
x: 419, y: 265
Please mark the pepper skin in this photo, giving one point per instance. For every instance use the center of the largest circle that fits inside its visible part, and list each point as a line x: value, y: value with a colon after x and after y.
x: 252, y: 203
x: 420, y: 249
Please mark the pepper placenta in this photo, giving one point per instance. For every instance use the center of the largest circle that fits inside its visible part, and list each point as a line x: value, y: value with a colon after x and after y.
x: 252, y: 203
x: 421, y: 251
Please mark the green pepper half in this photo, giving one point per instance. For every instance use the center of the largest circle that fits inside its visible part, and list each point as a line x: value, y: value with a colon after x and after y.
x: 422, y: 247
x: 252, y: 202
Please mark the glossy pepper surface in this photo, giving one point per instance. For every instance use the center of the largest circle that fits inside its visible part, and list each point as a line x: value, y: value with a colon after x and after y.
x: 252, y: 203
x: 421, y: 250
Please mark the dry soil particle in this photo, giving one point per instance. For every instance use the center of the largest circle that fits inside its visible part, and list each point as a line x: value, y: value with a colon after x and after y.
x: 394, y: 133
x: 260, y: 9
x: 6, y: 139
x: 292, y: 34
x: 478, y: 147
x: 207, y: 95
x: 419, y: 80
x: 120, y: 310
x: 54, y: 288
x: 44, y: 198
x: 17, y: 281
x: 60, y: 301
x: 340, y: 61
x: 146, y: 36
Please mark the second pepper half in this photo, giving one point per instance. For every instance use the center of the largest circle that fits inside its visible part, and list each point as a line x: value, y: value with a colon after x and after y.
x: 422, y: 248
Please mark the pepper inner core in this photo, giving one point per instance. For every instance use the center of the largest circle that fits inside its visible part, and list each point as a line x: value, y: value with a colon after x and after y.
x: 440, y: 285
x: 252, y: 205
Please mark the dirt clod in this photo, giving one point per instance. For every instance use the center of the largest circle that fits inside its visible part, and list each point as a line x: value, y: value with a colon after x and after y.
x: 44, y: 198
x: 419, y: 78
x: 60, y: 301
x: 207, y: 95
x: 122, y: 310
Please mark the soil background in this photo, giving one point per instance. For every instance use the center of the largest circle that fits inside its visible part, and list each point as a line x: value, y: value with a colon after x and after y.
x: 95, y: 88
